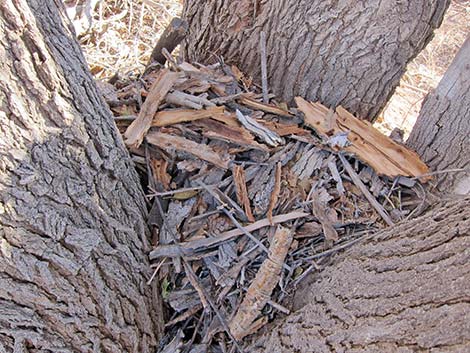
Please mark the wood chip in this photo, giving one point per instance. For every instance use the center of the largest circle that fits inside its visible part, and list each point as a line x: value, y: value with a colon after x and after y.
x: 275, y: 193
x: 175, y: 116
x: 231, y: 134
x: 241, y: 191
x: 268, y: 136
x: 135, y: 133
x: 379, y: 151
x: 320, y: 211
x: 204, y: 152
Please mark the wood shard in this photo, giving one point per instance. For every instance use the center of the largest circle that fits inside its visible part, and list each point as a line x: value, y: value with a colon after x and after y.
x: 135, y: 133
x: 232, y: 134
x: 319, y: 210
x: 175, y: 116
x: 268, y: 136
x: 275, y: 193
x: 386, y: 156
x: 159, y: 170
x: 204, y: 152
x: 259, y: 292
x: 268, y: 108
x: 241, y: 191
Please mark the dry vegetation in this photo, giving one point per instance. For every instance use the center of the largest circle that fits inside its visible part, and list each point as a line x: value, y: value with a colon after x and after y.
x: 425, y: 72
x: 123, y: 33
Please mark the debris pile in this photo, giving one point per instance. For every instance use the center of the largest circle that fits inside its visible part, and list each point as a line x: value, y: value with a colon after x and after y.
x: 248, y: 197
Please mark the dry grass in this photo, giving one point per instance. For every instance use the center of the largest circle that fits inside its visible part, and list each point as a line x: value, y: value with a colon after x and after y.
x: 124, y: 32
x: 424, y: 73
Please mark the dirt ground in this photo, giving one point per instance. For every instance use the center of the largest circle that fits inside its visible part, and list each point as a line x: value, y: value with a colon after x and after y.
x: 123, y: 33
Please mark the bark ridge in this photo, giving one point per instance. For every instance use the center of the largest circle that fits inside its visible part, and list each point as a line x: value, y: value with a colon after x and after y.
x: 351, y: 53
x: 73, y: 232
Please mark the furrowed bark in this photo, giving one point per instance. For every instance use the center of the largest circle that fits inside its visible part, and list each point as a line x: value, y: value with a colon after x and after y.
x: 441, y: 134
x: 351, y: 53
x: 407, y: 289
x: 72, y: 214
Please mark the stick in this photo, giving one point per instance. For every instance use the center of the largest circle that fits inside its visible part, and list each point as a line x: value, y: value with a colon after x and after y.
x: 259, y: 292
x: 171, y: 37
x: 191, y: 247
x: 357, y: 181
x: 233, y: 219
x: 264, y: 69
x: 208, y: 299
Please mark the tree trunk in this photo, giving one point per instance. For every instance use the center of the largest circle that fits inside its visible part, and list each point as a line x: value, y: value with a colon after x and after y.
x: 73, y: 232
x: 351, y: 53
x: 407, y: 289
x: 441, y: 134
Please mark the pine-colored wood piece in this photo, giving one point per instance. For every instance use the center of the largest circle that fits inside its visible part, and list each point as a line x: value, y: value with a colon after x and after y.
x: 386, y: 156
x: 135, y: 133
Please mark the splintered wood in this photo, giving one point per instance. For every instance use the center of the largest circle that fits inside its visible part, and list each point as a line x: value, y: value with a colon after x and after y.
x: 383, y: 154
x: 259, y: 292
x: 228, y: 176
x: 136, y: 132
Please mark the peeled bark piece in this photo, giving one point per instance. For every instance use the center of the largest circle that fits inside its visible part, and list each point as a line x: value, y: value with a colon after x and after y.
x: 170, y: 117
x: 135, y: 133
x: 259, y: 292
x: 384, y: 155
x: 201, y: 151
x: 405, y: 289
x: 73, y: 233
x: 351, y: 53
x: 441, y: 134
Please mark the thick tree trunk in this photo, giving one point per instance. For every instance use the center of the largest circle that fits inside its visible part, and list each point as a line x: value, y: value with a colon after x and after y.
x: 441, y: 134
x: 405, y: 290
x: 351, y: 53
x: 73, y: 233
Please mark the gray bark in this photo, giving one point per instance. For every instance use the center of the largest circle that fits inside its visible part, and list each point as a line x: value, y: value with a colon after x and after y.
x: 344, y: 52
x: 72, y: 214
x: 405, y: 290
x: 441, y: 133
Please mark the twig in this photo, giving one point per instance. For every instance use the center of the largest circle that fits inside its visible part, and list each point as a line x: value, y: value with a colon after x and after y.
x: 455, y: 170
x: 233, y: 219
x: 190, y: 247
x: 279, y: 307
x: 358, y: 182
x: 172, y: 192
x: 264, y: 69
x: 156, y: 271
x: 195, y: 283
x: 208, y: 299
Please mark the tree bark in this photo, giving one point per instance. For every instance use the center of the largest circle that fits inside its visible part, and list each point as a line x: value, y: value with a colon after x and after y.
x: 441, y: 133
x: 407, y: 289
x: 72, y: 214
x: 351, y: 53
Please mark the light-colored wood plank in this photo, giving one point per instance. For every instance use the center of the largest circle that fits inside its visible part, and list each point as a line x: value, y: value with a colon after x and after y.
x: 170, y: 117
x: 135, y: 133
x: 384, y: 155
x: 202, y: 151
